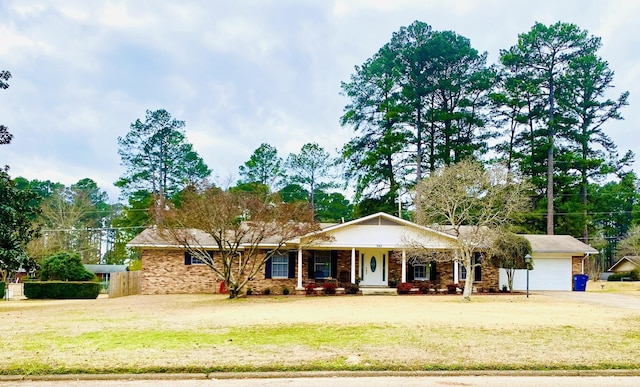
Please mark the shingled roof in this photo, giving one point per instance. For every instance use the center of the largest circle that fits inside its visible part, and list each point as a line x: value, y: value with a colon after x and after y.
x: 152, y: 237
x: 558, y: 244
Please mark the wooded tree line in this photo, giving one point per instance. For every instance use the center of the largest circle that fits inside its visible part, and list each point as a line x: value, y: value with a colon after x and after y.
x: 424, y: 100
x: 428, y: 98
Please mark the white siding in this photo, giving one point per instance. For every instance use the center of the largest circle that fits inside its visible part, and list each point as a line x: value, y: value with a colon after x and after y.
x: 383, y: 236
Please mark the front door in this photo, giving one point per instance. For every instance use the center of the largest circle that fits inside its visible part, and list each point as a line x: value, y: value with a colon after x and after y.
x: 374, y: 267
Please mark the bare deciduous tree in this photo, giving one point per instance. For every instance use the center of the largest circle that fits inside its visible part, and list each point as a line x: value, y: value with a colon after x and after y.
x: 471, y: 203
x: 508, y: 252
x: 247, y: 229
x: 630, y: 245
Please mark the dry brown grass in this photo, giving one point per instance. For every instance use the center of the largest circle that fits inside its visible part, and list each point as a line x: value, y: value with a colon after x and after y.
x: 208, y: 332
x: 630, y: 288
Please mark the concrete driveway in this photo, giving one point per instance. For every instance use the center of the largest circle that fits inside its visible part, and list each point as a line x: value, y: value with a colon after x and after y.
x: 615, y: 300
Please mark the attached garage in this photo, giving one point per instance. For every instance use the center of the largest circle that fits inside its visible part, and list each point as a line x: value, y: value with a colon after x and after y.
x: 548, y: 274
x: 554, y: 263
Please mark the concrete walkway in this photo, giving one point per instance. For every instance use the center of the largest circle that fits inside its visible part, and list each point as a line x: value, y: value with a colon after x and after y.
x: 615, y: 300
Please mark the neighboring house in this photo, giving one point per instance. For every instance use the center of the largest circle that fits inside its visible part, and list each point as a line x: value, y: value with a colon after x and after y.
x: 556, y: 258
x: 104, y: 271
x: 374, y: 250
x: 626, y: 264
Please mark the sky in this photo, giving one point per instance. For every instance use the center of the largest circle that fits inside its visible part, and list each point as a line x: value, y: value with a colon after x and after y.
x: 239, y: 73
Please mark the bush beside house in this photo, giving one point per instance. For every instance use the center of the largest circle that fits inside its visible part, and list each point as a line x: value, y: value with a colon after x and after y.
x: 61, y: 290
x: 2, y: 286
x: 64, y: 266
x: 63, y: 276
x: 633, y: 275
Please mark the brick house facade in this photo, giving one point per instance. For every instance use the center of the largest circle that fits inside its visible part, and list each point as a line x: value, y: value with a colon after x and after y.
x: 373, y: 251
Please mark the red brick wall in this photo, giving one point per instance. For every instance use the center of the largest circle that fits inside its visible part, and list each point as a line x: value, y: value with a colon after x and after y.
x: 164, y: 272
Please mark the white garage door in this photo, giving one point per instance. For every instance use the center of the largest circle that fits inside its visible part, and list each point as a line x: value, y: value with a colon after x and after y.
x: 548, y: 274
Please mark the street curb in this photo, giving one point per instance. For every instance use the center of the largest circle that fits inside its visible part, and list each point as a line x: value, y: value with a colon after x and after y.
x: 313, y: 374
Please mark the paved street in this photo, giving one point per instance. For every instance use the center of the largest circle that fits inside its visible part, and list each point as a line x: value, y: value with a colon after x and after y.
x: 494, y: 381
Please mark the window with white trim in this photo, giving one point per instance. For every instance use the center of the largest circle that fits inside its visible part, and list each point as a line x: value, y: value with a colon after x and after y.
x: 193, y: 259
x: 421, y: 271
x: 322, y: 264
x: 279, y: 266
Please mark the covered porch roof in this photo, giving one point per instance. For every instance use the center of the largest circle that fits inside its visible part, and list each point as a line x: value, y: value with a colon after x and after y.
x: 378, y: 230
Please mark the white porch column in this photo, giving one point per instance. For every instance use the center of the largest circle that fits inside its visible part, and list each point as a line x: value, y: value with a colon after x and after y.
x: 404, y: 266
x: 299, y: 287
x: 353, y: 265
x: 456, y: 270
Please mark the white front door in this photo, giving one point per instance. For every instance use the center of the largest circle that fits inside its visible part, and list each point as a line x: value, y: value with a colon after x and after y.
x: 374, y: 266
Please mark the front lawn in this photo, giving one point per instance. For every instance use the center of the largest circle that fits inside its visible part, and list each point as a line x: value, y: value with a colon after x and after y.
x: 205, y: 333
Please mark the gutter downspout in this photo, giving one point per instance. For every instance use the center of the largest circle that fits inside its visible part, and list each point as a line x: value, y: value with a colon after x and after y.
x: 586, y: 255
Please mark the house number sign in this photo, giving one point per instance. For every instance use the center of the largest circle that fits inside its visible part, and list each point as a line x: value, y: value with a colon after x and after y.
x: 373, y: 264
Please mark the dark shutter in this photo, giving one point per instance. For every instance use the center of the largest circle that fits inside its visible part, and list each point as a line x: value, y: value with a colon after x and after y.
x: 187, y: 258
x: 410, y: 273
x: 478, y: 271
x: 311, y: 273
x: 384, y: 267
x: 267, y: 268
x: 292, y: 263
x: 433, y: 271
x: 334, y: 264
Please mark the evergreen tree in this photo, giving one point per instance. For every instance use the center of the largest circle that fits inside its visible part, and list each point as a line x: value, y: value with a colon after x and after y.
x: 312, y: 169
x: 546, y: 53
x: 264, y: 167
x: 159, y: 159
x: 420, y: 102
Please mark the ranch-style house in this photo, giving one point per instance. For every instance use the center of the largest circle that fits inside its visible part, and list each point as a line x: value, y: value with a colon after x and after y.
x: 374, y: 251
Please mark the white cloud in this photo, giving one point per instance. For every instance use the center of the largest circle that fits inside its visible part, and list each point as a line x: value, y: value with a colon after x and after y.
x: 239, y: 73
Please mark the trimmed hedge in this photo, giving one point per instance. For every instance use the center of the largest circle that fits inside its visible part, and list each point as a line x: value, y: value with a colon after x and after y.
x: 628, y: 276
x: 61, y: 290
x: 2, y: 285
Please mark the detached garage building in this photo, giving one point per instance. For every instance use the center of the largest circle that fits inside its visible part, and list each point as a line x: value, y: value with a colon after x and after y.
x: 556, y: 258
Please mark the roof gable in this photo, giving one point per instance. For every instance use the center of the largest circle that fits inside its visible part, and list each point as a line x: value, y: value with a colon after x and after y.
x: 378, y: 230
x: 632, y: 259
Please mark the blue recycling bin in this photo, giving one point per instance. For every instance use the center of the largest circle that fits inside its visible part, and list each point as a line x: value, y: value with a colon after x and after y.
x: 580, y: 282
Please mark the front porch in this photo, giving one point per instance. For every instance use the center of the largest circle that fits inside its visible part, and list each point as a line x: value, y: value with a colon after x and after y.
x: 379, y: 268
x: 375, y: 270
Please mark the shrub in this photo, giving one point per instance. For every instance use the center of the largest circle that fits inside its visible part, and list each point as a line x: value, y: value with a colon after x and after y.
x: 61, y: 290
x: 2, y: 285
x: 329, y: 287
x: 266, y: 291
x: 249, y: 291
x: 285, y: 291
x: 64, y: 266
x: 404, y: 288
x: 626, y: 276
x: 452, y: 288
x: 423, y: 287
x: 352, y: 289
x: 310, y: 289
